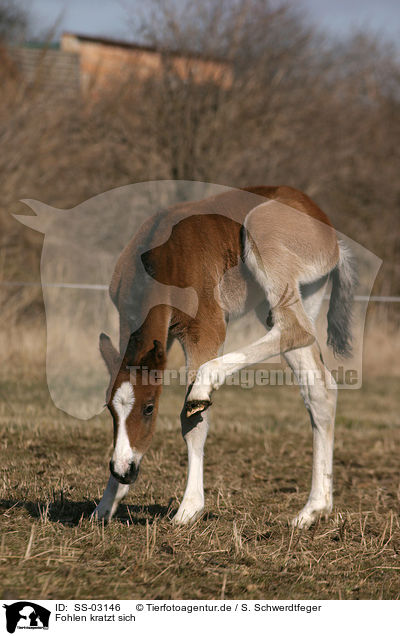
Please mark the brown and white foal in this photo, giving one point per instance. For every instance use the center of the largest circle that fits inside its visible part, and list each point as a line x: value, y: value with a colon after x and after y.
x: 268, y: 248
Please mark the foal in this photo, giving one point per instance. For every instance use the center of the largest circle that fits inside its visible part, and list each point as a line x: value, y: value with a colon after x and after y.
x: 268, y: 248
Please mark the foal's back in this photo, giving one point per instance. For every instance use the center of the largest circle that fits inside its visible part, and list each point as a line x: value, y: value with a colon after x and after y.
x: 201, y: 245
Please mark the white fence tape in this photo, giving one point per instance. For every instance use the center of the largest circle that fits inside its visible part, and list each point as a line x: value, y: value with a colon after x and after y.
x: 65, y: 285
x: 5, y: 283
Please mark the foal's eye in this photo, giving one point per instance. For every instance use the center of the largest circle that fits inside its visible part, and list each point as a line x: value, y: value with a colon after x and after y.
x: 148, y: 409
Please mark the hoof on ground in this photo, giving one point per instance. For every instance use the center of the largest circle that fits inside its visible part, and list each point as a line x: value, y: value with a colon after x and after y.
x: 101, y: 514
x: 186, y: 518
x: 306, y: 518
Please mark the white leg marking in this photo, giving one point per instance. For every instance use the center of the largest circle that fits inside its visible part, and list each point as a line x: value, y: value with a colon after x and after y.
x: 319, y: 395
x: 193, y: 500
x: 113, y: 494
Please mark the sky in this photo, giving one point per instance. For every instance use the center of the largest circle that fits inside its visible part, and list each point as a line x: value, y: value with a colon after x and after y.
x: 109, y: 17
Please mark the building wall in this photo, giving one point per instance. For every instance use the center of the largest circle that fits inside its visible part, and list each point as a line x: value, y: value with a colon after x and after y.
x: 48, y: 68
x: 101, y: 64
x: 93, y: 66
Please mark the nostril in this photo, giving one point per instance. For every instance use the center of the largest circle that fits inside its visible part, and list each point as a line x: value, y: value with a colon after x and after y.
x: 133, y: 470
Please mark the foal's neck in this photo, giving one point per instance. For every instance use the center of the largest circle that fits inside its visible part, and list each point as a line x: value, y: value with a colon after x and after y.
x: 154, y: 329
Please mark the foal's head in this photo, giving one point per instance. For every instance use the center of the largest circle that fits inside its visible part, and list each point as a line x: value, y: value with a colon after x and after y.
x: 132, y: 399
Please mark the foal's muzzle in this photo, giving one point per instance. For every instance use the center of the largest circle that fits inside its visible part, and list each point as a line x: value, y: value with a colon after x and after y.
x: 129, y: 477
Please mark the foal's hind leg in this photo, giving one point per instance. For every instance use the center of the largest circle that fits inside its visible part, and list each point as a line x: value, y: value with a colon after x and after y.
x: 292, y: 328
x: 318, y: 390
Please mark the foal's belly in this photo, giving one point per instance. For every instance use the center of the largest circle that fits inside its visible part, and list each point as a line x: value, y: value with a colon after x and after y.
x: 238, y: 292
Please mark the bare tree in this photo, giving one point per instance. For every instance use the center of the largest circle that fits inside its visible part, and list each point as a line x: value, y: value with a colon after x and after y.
x: 288, y: 106
x: 14, y: 21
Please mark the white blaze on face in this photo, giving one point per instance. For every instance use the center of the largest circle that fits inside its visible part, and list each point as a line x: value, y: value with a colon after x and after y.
x: 124, y: 455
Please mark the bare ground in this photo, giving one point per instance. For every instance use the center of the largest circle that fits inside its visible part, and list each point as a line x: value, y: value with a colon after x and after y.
x: 257, y: 475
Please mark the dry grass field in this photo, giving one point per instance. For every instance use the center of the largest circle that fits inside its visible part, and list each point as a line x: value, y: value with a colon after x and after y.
x: 302, y: 110
x: 257, y: 474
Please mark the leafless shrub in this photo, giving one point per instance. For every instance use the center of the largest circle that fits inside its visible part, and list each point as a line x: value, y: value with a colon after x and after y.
x: 289, y: 107
x: 14, y: 20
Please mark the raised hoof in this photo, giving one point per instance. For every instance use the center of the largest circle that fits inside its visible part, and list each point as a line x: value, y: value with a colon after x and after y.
x: 196, y: 406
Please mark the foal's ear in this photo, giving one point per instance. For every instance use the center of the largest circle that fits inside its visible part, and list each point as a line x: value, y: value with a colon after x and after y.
x: 155, y: 357
x: 158, y: 352
x: 108, y: 352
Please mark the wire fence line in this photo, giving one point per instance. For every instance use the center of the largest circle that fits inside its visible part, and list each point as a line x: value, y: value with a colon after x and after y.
x: 5, y: 283
x: 61, y: 285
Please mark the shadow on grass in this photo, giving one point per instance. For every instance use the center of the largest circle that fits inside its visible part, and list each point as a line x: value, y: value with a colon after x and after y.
x: 71, y: 513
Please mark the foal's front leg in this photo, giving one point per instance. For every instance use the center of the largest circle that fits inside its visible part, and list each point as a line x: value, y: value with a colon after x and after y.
x: 194, y: 431
x: 109, y: 502
x: 194, y: 422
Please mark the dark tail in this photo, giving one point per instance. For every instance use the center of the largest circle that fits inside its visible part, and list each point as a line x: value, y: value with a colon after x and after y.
x: 341, y: 302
